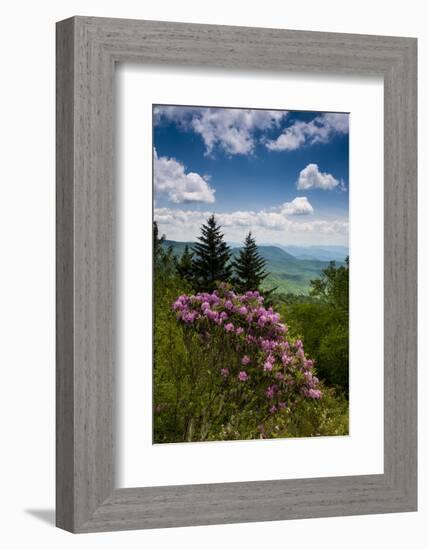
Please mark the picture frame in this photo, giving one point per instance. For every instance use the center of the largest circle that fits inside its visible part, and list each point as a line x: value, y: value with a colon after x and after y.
x: 87, y: 50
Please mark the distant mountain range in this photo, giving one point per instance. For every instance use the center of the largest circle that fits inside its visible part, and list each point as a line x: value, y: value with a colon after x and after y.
x: 315, y: 252
x: 290, y: 268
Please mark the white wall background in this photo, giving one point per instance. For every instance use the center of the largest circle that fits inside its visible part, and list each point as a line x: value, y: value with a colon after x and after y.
x: 27, y: 272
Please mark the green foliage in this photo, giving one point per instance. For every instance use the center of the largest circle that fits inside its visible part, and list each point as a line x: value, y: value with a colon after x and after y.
x: 323, y: 324
x: 249, y: 266
x: 311, y: 418
x: 328, y: 416
x: 184, y: 265
x: 157, y: 244
x: 163, y: 259
x: 334, y: 355
x: 333, y: 286
x: 211, y: 261
x: 325, y: 334
x: 290, y: 299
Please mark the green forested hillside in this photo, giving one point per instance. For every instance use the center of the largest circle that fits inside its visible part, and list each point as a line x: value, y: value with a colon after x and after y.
x: 286, y: 272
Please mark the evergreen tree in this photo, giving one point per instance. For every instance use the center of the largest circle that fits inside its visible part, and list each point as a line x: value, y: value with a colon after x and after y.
x: 184, y: 265
x: 333, y: 286
x: 249, y: 266
x: 157, y: 243
x: 212, y: 255
x: 163, y: 259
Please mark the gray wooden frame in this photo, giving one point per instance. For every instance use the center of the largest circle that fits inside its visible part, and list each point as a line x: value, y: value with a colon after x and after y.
x: 87, y: 50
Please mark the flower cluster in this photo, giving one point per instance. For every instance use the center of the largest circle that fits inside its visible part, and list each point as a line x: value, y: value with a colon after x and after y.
x: 260, y: 353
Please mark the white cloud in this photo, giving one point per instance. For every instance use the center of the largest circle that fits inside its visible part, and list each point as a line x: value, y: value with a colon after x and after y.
x: 229, y: 129
x: 310, y: 177
x: 170, y: 178
x: 274, y: 218
x: 298, y: 206
x: 319, y: 130
x: 272, y: 225
x: 292, y: 137
x: 338, y: 122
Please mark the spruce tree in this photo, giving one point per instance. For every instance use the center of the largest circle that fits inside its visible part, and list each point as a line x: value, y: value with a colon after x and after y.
x: 211, y: 262
x: 157, y: 243
x: 184, y: 265
x: 163, y: 258
x: 249, y: 266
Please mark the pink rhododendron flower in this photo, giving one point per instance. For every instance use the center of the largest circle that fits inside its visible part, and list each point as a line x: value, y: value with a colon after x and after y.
x: 262, y: 321
x: 270, y: 391
x: 212, y: 315
x: 268, y: 365
x: 308, y: 376
x: 312, y: 393
x: 189, y: 317
x: 268, y: 345
x: 286, y: 359
x: 256, y: 340
x: 281, y: 328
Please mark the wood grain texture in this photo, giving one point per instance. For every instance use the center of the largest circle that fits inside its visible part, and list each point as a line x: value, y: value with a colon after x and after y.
x: 64, y: 276
x: 87, y: 49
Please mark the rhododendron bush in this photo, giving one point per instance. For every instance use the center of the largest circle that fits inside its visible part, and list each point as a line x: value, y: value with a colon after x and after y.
x: 239, y: 373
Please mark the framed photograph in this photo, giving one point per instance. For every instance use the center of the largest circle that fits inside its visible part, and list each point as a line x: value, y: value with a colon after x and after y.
x: 226, y: 367
x: 236, y: 274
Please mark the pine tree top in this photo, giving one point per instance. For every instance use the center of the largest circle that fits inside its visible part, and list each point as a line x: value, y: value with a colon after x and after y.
x: 249, y: 266
x: 211, y: 261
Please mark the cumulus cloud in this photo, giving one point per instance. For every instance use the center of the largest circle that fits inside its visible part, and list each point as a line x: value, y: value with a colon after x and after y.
x: 274, y: 219
x: 266, y: 224
x: 319, y: 130
x: 298, y: 206
x: 311, y: 177
x: 170, y: 178
x: 231, y: 130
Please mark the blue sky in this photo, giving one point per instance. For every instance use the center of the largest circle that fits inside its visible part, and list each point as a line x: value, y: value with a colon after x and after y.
x: 281, y: 174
